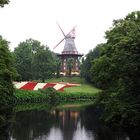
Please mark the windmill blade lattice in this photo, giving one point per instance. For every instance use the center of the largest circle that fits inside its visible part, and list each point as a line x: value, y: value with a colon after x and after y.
x: 58, y: 43
x: 65, y: 36
x: 61, y: 29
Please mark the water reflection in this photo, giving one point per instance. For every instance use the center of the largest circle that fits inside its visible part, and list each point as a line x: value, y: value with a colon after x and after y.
x: 7, y: 116
x: 55, y: 133
x: 60, y: 124
x: 82, y: 134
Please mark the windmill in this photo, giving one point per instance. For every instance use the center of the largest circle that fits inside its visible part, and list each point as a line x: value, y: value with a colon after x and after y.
x: 69, y: 51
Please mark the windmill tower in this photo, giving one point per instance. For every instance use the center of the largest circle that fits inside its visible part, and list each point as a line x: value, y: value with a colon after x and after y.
x: 69, y: 51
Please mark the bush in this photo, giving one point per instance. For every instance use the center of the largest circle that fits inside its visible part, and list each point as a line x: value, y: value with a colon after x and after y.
x: 26, y: 96
x: 52, y: 95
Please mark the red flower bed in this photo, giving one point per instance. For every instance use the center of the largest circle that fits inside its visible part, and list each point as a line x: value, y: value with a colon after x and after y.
x: 49, y: 85
x: 32, y: 85
x: 66, y: 86
x: 29, y: 86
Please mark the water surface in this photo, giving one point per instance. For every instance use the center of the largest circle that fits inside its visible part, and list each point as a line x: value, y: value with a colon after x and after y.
x: 62, y: 124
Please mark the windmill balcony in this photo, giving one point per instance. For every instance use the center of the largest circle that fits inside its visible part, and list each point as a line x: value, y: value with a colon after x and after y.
x: 69, y: 52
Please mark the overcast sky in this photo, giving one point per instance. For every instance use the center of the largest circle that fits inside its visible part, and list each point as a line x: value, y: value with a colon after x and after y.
x: 24, y: 19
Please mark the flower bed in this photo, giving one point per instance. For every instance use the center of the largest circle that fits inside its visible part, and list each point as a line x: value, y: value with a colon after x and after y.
x: 29, y: 86
x: 36, y: 86
x: 66, y: 86
x: 49, y: 85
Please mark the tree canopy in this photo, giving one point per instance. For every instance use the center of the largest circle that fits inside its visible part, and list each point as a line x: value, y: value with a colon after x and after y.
x: 34, y: 61
x: 117, y: 70
x: 43, y: 64
x: 87, y: 62
x: 119, y: 62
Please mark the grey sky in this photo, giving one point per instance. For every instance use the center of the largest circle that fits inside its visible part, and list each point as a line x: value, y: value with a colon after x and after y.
x: 23, y: 19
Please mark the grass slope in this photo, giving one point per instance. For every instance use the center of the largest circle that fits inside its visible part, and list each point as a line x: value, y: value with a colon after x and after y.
x: 84, y: 87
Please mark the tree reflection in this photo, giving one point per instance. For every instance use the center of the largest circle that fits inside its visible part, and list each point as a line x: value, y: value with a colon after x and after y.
x: 31, y: 124
x: 7, y: 116
x: 91, y: 120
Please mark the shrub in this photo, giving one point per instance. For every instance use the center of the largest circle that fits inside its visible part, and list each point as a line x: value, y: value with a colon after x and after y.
x: 52, y: 95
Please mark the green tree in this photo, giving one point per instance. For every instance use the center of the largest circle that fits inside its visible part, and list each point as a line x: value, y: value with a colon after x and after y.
x: 24, y: 58
x: 34, y: 61
x: 43, y: 64
x: 87, y: 62
x: 3, y: 2
x: 118, y: 70
x: 121, y: 54
x: 7, y: 72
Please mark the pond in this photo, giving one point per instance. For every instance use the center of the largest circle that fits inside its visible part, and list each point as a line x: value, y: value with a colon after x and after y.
x: 71, y: 123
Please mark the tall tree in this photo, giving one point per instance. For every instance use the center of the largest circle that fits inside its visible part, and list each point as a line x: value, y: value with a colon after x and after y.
x: 87, y: 62
x: 121, y: 54
x: 34, y: 61
x: 118, y: 69
x: 7, y: 72
x: 43, y: 64
x: 23, y: 58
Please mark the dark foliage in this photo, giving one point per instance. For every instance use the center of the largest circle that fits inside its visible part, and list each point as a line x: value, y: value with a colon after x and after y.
x: 118, y: 71
x: 7, y: 73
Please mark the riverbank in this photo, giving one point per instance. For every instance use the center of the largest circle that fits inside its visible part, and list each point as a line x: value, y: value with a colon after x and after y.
x: 44, y: 106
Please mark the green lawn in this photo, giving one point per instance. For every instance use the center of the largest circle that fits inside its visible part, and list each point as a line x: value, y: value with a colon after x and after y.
x: 67, y: 79
x: 84, y: 87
